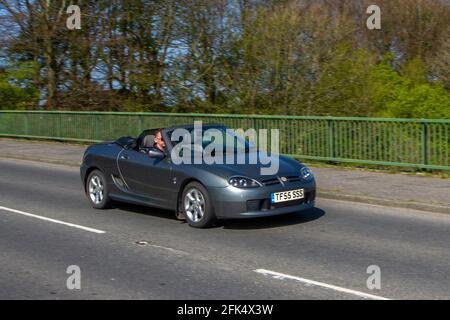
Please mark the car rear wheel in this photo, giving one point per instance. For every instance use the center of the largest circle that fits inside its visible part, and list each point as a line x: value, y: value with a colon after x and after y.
x: 197, y: 207
x: 97, y: 190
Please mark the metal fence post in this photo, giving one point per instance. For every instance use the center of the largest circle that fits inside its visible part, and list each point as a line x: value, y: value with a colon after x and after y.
x: 140, y: 123
x: 26, y: 127
x: 59, y: 125
x: 97, y: 127
x: 425, y: 144
x: 331, y: 132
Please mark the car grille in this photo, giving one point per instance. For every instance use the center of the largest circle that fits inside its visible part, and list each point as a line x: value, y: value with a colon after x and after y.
x: 276, y: 181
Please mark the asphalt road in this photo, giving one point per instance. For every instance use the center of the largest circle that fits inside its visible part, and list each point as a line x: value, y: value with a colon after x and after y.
x: 333, y: 244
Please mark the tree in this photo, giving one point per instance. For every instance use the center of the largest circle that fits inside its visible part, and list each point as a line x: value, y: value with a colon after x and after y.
x: 16, y: 87
x: 293, y: 57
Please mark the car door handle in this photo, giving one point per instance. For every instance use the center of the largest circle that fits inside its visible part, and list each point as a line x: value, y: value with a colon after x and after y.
x: 124, y: 157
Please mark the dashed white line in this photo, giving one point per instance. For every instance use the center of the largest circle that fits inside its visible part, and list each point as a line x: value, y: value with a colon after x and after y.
x: 52, y: 220
x: 282, y: 276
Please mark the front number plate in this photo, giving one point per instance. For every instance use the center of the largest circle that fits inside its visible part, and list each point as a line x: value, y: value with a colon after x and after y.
x: 285, y: 196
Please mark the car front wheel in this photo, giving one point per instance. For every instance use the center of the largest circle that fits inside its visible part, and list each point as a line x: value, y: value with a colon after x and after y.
x: 197, y: 206
x: 97, y: 190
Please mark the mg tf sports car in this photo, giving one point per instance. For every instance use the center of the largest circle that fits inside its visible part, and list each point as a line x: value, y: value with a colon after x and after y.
x: 143, y: 171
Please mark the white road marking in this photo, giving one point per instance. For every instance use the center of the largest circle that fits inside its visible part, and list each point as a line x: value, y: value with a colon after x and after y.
x: 52, y: 220
x: 281, y: 276
x: 169, y: 249
x: 144, y: 243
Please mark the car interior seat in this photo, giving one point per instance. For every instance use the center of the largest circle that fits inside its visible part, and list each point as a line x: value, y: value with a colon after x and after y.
x: 148, y: 141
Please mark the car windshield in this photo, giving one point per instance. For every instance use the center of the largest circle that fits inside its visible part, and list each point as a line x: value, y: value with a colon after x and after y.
x: 216, y: 137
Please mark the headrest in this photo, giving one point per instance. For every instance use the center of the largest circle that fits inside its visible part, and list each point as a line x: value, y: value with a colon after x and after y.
x: 149, y: 141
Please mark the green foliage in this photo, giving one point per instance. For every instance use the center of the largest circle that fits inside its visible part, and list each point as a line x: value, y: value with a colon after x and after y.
x: 344, y: 84
x: 16, y: 87
x: 354, y: 83
x: 408, y: 96
x: 420, y: 101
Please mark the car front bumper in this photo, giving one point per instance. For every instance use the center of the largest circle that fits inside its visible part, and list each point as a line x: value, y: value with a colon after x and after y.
x: 232, y: 203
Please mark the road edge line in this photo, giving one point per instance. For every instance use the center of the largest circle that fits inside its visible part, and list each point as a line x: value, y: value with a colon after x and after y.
x: 53, y: 220
x: 282, y: 276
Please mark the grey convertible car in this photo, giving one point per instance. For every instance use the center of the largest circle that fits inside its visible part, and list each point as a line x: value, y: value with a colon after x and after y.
x: 131, y: 170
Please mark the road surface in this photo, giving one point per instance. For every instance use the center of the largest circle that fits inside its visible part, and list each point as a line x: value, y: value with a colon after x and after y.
x: 132, y: 252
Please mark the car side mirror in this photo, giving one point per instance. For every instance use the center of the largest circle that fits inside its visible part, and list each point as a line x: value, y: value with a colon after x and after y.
x: 156, y: 154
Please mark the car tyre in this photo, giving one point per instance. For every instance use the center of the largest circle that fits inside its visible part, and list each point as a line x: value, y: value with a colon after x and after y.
x: 196, y: 206
x: 97, y: 190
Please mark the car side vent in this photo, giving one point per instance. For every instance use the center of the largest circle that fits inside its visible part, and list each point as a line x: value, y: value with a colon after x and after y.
x: 119, y: 183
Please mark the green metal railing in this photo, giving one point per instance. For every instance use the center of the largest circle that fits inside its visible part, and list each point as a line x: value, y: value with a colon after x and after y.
x: 399, y: 142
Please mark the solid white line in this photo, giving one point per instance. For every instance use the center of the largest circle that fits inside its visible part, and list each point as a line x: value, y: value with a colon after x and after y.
x: 282, y: 276
x: 52, y: 220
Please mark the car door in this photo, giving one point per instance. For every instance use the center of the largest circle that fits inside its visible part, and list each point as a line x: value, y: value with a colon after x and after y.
x: 147, y: 177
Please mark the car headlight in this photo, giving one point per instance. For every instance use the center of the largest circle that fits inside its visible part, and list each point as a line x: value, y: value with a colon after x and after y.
x: 244, y: 182
x: 306, y: 173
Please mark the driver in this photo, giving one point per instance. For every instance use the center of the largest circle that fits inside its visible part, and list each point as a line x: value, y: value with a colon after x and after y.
x: 159, y: 141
